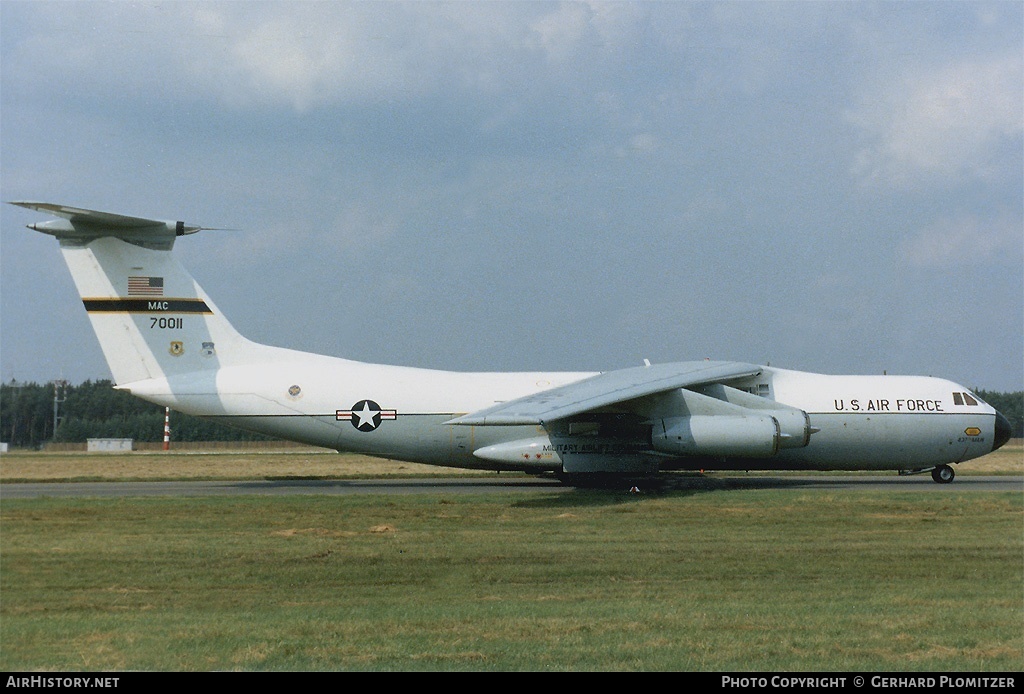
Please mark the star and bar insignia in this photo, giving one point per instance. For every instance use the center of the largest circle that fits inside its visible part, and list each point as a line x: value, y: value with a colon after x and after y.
x: 366, y: 415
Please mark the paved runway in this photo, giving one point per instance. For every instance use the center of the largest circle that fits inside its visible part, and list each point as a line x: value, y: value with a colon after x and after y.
x: 511, y: 483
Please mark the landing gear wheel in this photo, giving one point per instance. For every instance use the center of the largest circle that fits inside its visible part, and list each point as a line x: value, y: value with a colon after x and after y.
x: 943, y: 474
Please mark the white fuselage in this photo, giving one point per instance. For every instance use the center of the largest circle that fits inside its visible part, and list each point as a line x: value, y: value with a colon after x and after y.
x: 862, y: 422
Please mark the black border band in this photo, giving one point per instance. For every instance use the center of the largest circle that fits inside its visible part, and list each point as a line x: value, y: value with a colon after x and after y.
x: 146, y: 306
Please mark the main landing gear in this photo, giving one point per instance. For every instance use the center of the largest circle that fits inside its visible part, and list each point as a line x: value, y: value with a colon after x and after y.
x: 943, y: 474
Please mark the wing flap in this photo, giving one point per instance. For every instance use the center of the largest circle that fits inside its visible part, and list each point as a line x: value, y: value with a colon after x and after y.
x: 605, y: 389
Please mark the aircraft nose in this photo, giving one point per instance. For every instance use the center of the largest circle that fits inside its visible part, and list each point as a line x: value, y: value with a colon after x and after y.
x: 1002, y: 430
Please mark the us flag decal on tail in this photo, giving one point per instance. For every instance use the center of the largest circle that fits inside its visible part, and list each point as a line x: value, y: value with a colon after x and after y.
x: 145, y: 286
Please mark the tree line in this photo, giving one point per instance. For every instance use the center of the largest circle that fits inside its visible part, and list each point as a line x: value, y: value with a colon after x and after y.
x: 94, y: 409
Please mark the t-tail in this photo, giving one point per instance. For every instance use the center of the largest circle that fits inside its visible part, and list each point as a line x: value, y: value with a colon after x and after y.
x: 152, y: 319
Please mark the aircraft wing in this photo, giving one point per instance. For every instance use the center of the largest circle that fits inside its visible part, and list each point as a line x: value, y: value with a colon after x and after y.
x: 606, y: 389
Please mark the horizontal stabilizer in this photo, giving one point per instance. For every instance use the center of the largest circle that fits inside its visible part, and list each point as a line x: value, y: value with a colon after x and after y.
x: 78, y: 226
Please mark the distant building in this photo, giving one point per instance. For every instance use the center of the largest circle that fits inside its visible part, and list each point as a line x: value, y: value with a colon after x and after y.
x: 110, y: 445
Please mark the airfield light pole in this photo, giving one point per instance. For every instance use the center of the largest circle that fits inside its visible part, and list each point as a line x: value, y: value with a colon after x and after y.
x: 167, y: 428
x: 16, y: 386
x: 59, y: 395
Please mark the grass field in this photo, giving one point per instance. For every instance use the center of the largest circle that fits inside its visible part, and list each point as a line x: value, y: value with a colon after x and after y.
x: 769, y: 579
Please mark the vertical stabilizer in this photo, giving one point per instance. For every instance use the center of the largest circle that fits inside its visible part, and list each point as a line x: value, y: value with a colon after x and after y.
x: 151, y: 317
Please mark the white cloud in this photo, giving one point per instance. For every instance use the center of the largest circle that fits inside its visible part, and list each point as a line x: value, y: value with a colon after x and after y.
x: 301, y: 55
x: 946, y: 125
x: 239, y: 54
x: 559, y: 32
x: 965, y: 239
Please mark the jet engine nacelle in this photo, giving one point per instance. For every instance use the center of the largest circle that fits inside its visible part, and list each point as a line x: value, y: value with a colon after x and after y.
x: 794, y: 424
x: 746, y: 436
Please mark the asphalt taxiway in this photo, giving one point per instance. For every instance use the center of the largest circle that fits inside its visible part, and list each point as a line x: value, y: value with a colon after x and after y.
x: 507, y: 484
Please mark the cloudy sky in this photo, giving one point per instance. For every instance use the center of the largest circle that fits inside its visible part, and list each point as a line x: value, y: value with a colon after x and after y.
x: 831, y: 187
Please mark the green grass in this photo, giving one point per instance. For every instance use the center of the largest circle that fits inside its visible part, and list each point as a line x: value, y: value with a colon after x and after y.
x: 578, y: 580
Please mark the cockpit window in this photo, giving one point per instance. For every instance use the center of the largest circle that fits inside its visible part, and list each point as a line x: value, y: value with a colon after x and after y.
x: 964, y: 399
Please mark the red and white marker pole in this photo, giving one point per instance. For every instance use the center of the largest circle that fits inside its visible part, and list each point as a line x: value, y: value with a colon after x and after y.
x: 167, y: 428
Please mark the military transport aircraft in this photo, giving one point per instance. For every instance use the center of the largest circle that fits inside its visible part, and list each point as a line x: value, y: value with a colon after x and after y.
x: 167, y: 342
